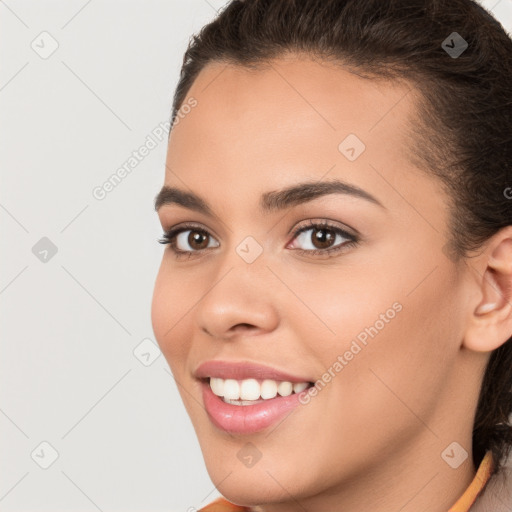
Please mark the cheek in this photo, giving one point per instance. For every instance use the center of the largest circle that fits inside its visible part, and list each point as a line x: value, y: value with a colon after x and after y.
x: 169, y: 315
x: 387, y: 345
x: 393, y: 380
x: 347, y: 307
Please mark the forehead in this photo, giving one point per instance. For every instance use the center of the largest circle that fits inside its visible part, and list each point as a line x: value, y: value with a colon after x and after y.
x: 296, y: 88
x: 293, y: 100
x: 292, y: 119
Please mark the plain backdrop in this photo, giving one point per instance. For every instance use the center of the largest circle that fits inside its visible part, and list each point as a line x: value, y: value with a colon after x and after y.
x: 90, y: 417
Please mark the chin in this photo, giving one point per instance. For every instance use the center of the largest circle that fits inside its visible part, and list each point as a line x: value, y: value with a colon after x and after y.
x: 271, y: 480
x: 251, y: 489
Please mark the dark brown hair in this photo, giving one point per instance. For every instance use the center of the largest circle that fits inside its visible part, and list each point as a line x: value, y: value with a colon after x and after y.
x: 462, y: 133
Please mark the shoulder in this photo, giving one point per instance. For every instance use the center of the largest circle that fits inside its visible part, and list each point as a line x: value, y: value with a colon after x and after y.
x: 496, y: 496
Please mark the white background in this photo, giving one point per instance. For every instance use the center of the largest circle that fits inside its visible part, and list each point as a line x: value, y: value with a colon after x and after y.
x: 70, y: 325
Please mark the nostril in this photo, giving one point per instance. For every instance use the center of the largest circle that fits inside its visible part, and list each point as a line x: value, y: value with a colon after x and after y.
x: 243, y: 327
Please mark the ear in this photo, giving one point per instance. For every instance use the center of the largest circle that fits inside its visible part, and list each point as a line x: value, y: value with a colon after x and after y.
x: 491, y: 320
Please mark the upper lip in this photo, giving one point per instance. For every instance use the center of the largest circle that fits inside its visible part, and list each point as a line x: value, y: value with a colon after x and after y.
x: 243, y: 370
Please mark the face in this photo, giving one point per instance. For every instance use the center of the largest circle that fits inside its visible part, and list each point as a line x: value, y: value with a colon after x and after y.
x: 347, y: 288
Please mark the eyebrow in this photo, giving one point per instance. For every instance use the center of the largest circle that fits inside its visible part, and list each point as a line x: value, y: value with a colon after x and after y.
x: 270, y: 201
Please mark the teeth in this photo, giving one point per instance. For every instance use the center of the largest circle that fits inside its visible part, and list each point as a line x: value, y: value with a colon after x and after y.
x: 245, y: 392
x: 250, y: 389
x: 268, y: 389
x: 299, y: 386
x: 240, y: 402
x: 217, y: 385
x: 285, y: 388
x: 231, y: 389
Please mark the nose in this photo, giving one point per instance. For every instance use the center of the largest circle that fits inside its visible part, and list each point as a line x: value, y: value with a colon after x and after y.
x: 239, y: 302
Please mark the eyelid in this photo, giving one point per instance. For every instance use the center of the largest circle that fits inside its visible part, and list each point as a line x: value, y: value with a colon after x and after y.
x: 315, y: 221
x: 189, y: 225
x: 310, y: 222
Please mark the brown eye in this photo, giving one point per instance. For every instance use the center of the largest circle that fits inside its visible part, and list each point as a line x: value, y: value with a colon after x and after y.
x: 322, y: 238
x: 192, y: 240
x: 188, y: 240
x: 197, y: 237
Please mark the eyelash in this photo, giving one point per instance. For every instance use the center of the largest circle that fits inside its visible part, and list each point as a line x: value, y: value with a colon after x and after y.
x: 169, y: 238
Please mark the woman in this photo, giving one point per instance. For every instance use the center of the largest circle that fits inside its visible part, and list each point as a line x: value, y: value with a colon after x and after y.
x: 335, y: 301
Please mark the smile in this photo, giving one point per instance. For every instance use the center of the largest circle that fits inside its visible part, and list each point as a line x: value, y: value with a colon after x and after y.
x: 244, y: 398
x: 251, y: 391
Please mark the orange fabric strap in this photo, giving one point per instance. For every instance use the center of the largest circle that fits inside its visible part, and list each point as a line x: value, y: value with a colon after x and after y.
x: 222, y: 505
x: 481, y: 478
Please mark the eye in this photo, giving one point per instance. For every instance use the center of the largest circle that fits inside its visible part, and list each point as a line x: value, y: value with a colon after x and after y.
x: 317, y: 238
x: 187, y: 239
x: 322, y: 238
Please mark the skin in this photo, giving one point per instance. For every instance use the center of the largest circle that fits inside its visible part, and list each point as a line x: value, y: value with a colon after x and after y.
x: 382, y: 423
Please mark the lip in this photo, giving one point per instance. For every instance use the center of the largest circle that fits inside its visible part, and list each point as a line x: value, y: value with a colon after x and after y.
x: 247, y: 419
x: 244, y: 370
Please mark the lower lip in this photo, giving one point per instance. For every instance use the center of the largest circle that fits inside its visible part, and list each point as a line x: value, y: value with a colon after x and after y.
x: 247, y: 419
